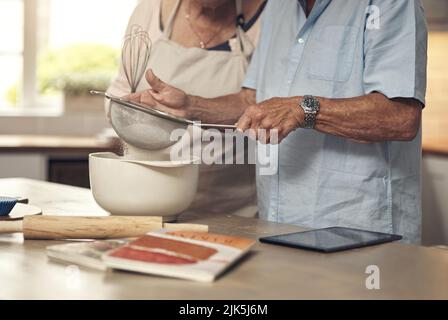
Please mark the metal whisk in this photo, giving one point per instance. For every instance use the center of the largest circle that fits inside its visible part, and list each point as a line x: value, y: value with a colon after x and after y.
x: 135, y: 55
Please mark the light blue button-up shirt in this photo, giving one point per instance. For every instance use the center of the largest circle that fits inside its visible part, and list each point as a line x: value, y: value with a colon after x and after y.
x: 345, y: 48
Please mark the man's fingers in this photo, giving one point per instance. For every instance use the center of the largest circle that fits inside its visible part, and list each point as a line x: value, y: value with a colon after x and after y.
x: 257, y: 118
x: 264, y: 136
x: 275, y: 136
x: 244, y: 123
x: 266, y: 123
x: 155, y: 83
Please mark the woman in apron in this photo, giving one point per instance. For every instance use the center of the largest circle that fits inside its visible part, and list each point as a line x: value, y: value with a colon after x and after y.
x: 208, y: 67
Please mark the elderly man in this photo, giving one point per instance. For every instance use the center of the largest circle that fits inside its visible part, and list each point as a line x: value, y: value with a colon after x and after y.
x: 344, y: 84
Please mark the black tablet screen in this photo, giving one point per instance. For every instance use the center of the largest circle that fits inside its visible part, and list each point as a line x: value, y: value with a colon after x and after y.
x: 331, y: 239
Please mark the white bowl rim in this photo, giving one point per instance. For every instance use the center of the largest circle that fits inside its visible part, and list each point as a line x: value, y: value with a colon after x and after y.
x: 110, y: 156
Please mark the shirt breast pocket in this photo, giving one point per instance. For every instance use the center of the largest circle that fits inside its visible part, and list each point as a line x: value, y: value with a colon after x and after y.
x: 333, y: 53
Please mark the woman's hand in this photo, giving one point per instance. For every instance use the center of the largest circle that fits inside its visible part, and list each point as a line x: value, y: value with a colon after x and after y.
x: 222, y: 110
x: 162, y: 97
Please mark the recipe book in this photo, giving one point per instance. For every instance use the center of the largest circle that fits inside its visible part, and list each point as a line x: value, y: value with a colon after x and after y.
x: 195, y: 256
x: 86, y: 253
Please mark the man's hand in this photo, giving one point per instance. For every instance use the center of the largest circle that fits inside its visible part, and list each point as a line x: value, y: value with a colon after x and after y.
x: 278, y: 116
x: 162, y: 97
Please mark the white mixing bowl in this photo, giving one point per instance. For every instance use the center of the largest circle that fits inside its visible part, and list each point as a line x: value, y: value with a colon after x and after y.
x: 151, y: 188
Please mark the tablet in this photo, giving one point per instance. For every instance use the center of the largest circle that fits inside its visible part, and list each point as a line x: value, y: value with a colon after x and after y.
x: 331, y: 239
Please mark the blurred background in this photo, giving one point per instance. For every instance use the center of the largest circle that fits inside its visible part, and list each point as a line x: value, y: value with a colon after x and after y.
x: 53, y: 51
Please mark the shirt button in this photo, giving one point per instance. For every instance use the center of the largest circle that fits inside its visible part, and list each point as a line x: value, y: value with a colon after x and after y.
x: 301, y: 40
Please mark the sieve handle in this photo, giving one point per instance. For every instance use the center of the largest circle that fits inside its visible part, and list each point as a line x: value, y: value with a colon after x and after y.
x: 213, y: 125
x: 162, y: 114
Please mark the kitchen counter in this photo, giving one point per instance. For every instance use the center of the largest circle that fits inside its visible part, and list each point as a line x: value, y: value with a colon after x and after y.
x: 54, y: 144
x: 268, y: 272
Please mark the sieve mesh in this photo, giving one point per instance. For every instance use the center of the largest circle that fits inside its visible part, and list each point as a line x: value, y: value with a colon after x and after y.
x: 142, y: 130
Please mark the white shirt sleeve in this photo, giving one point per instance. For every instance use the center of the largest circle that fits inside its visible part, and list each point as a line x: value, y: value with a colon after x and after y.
x: 395, y: 49
x: 259, y: 54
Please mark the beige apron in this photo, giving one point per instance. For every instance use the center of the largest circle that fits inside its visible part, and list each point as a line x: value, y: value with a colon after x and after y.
x: 208, y: 73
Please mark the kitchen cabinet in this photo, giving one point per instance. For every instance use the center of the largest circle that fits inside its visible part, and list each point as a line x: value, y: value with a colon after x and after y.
x: 435, y: 200
x: 71, y: 171
x: 30, y: 165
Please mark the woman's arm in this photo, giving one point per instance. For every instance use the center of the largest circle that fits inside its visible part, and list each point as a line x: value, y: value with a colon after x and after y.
x: 221, y: 110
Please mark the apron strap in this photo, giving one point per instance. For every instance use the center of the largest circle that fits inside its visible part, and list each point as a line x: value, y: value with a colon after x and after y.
x: 245, y: 45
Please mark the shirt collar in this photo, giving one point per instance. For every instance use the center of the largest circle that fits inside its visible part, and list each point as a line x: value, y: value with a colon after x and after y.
x: 320, y: 4
x: 318, y: 9
x: 303, y: 4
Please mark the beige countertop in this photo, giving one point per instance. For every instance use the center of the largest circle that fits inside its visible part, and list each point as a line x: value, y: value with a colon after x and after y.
x: 268, y: 272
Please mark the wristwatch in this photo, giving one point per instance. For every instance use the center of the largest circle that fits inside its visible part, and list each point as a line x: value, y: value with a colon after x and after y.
x: 311, y: 107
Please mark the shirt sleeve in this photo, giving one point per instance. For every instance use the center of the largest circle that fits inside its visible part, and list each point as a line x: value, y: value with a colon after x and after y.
x: 250, y: 81
x: 255, y: 65
x: 395, y: 49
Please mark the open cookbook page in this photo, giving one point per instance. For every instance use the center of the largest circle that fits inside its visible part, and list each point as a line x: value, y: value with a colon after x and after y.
x: 189, y: 255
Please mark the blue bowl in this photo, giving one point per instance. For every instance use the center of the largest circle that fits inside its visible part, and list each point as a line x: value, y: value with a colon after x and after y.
x: 6, y: 205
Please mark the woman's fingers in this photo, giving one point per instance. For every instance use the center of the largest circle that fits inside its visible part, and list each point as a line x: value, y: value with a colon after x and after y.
x: 155, y: 83
x: 175, y: 112
x: 147, y: 98
x: 161, y: 103
x: 164, y: 93
x: 156, y: 95
x: 135, y: 97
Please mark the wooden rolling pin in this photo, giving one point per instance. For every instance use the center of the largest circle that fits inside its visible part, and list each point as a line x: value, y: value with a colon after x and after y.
x: 112, y: 227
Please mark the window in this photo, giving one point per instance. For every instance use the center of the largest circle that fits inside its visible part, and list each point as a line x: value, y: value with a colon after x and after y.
x: 36, y: 33
x: 11, y: 46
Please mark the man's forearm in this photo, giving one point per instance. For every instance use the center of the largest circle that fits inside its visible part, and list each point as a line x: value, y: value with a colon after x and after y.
x: 370, y: 118
x: 220, y: 110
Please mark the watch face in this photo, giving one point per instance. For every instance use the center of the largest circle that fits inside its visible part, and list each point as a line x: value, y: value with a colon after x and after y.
x: 309, y: 104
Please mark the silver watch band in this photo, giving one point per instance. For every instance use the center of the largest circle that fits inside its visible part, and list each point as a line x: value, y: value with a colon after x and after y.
x: 311, y: 107
x: 310, y: 120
